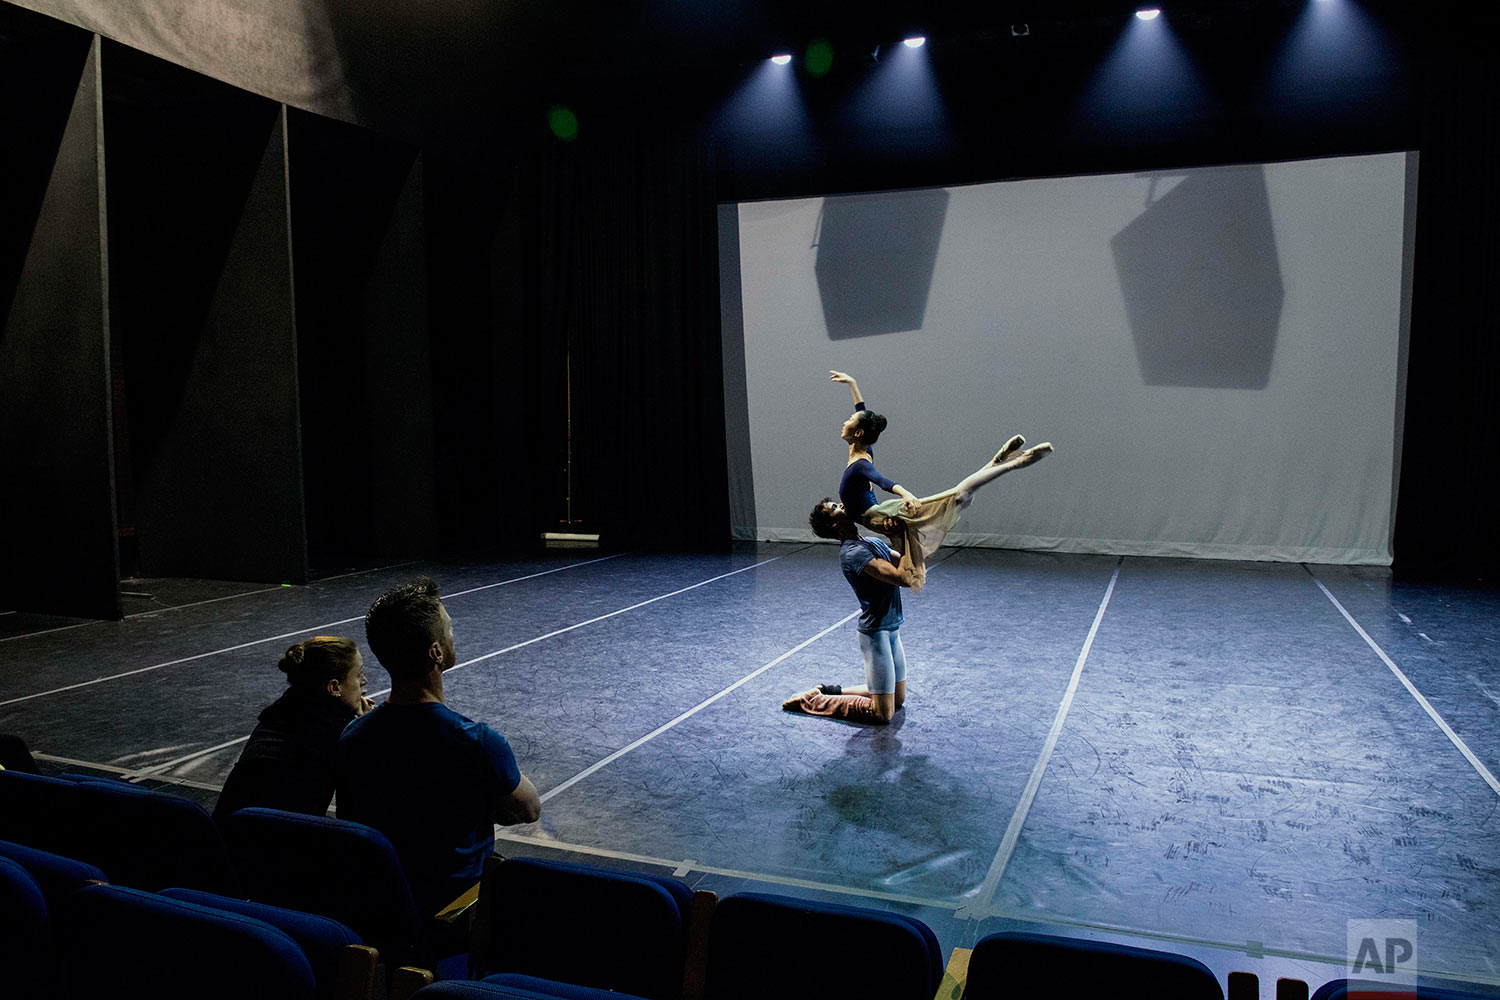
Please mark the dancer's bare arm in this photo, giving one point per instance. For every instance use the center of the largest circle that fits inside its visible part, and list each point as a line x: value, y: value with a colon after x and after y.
x: 848, y: 380
x: 886, y: 572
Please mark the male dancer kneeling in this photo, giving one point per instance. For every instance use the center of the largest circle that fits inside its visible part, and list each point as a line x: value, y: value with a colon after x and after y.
x: 869, y: 565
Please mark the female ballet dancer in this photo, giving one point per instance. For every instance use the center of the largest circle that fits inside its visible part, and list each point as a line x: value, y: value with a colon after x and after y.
x: 916, y: 526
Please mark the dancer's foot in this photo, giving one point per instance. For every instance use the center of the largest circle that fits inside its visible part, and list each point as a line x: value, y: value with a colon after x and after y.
x: 1030, y: 456
x: 1008, y: 449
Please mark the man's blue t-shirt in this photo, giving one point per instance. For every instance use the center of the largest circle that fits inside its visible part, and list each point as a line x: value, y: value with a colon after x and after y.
x: 430, y: 780
x: 879, y: 602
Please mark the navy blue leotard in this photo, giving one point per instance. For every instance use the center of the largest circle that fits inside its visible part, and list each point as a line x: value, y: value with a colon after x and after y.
x: 856, y: 490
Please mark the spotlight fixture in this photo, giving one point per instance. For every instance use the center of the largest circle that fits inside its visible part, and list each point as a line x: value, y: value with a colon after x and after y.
x: 1020, y: 30
x: 781, y: 60
x: 1149, y: 14
x: 914, y: 42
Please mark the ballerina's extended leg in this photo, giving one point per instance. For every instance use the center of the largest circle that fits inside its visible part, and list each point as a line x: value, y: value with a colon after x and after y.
x: 1004, y: 461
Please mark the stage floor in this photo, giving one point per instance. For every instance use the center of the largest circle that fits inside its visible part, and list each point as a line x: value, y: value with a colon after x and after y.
x: 1228, y: 760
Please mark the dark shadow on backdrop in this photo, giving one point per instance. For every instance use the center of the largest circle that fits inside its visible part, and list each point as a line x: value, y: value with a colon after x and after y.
x: 876, y: 255
x: 1202, y: 282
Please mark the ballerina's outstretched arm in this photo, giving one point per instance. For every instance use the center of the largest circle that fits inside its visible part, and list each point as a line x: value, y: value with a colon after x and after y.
x: 848, y: 380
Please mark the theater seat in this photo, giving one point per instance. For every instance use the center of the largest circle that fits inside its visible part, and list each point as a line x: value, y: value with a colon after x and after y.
x: 148, y: 839
x: 128, y: 943
x: 761, y: 945
x: 585, y: 925
x: 343, y: 966
x: 1014, y: 964
x: 511, y: 987
x: 28, y: 964
x: 345, y: 871
x: 59, y: 877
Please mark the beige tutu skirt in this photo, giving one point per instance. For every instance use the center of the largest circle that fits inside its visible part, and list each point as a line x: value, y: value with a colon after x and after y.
x: 916, y: 537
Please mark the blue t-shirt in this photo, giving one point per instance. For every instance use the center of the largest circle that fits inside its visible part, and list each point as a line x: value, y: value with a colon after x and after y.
x: 430, y: 780
x: 879, y: 602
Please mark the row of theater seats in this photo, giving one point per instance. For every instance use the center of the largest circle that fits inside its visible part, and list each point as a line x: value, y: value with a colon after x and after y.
x: 108, y: 889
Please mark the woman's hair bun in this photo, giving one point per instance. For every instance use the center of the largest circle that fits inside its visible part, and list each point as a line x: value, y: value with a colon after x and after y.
x: 292, y: 660
x: 313, y: 662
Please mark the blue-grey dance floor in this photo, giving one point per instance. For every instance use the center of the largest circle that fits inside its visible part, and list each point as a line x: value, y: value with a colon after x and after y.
x: 1229, y: 760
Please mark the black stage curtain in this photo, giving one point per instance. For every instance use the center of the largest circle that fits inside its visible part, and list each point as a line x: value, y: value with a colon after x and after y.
x: 622, y: 265
x: 1445, y: 519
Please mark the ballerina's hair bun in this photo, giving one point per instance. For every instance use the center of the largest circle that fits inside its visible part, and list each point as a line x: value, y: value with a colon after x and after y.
x: 871, y: 423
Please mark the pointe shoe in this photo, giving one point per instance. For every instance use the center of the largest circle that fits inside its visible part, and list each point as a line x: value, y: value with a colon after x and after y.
x: 1031, y: 455
x: 1008, y: 449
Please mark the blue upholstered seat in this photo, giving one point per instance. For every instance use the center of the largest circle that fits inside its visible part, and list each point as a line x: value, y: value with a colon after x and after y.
x: 757, y: 942
x: 1020, y: 964
x: 345, y: 871
x: 59, y: 877
x: 323, y: 941
x: 590, y: 926
x: 514, y: 987
x: 128, y: 943
x: 27, y: 960
x: 148, y: 839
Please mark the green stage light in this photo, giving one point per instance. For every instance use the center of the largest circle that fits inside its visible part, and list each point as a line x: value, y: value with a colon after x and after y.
x: 563, y: 122
x: 819, y: 58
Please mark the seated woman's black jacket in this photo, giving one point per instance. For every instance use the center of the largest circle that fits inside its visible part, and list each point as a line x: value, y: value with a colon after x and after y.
x: 288, y: 763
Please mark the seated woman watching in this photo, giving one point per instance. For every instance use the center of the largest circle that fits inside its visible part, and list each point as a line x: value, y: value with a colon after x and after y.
x: 289, y: 761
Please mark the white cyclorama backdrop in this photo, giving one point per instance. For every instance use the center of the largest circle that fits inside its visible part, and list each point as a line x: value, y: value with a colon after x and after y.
x: 1217, y: 354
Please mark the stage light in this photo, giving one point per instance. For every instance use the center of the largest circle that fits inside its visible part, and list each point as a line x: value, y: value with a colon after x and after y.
x: 1150, y: 14
x: 1020, y: 30
x: 819, y: 58
x: 915, y: 42
x: 781, y: 60
x: 563, y: 122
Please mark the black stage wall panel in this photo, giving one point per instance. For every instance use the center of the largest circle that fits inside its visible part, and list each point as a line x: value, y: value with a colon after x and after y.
x: 486, y: 433
x: 57, y: 487
x: 40, y: 62
x: 366, y: 382
x: 1445, y: 521
x: 398, y: 378
x: 203, y: 298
